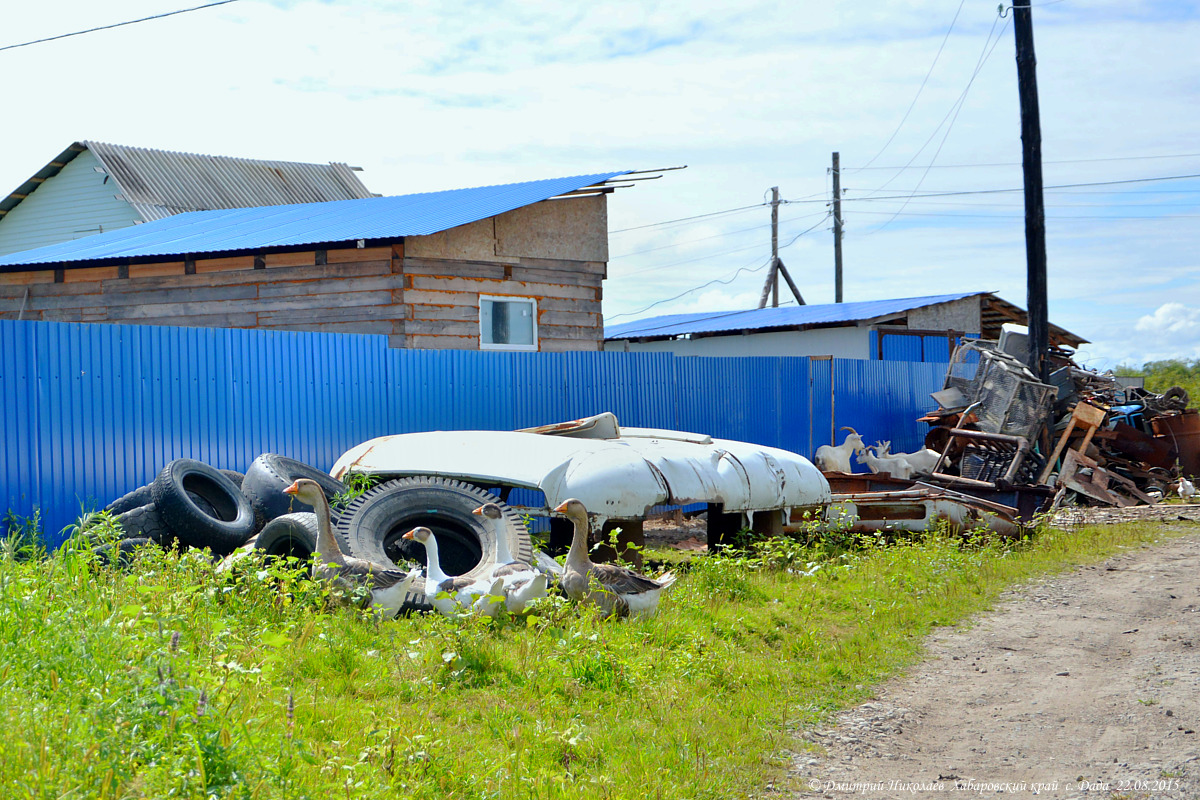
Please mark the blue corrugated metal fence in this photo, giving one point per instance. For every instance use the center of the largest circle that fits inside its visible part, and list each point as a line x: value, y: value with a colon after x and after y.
x: 89, y: 412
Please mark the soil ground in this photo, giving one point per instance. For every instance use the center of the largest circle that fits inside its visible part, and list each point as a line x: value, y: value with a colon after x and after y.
x: 1083, y: 685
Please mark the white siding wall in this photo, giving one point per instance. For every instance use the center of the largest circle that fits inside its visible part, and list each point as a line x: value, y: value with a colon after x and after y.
x: 836, y: 342
x: 76, y: 202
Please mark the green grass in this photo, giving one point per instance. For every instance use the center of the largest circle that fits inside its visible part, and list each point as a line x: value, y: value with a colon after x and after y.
x: 174, y: 681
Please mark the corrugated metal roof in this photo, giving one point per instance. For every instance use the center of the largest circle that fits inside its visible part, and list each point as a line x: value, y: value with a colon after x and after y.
x: 672, y: 325
x: 305, y: 224
x: 160, y: 183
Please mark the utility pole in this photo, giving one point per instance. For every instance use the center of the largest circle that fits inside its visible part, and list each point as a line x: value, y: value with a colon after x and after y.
x: 1035, y: 211
x: 777, y: 268
x: 837, y: 229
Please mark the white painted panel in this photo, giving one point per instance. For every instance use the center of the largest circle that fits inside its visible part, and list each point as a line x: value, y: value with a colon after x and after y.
x: 76, y: 202
x: 848, y: 342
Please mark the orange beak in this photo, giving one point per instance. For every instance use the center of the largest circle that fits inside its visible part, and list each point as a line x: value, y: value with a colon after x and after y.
x: 478, y: 511
x: 408, y: 535
x: 295, y: 487
x: 562, y: 507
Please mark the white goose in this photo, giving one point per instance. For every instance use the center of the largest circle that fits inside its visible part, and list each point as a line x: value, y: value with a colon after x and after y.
x: 522, y: 583
x: 452, y: 595
x: 615, y: 590
x: 388, y: 585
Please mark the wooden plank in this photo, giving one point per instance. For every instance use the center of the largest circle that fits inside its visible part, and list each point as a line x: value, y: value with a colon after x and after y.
x: 137, y: 271
x: 227, y: 264
x: 414, y: 297
x: 329, y: 286
x: 590, y: 267
x: 119, y: 300
x: 567, y: 345
x: 553, y: 276
x: 304, y: 258
x: 442, y: 327
x: 240, y: 320
x: 513, y: 288
x: 26, y: 278
x: 454, y: 269
x: 251, y: 276
x: 61, y: 314
x: 383, y: 327
x: 569, y: 332
x: 359, y: 254
x: 398, y: 341
x: 338, y: 314
x: 89, y: 274
x: 580, y: 319
x: 568, y: 304
x: 465, y: 313
x: 442, y: 342
x: 320, y: 302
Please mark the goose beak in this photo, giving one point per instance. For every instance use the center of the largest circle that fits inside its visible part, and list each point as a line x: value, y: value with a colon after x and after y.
x: 478, y: 511
x: 295, y: 487
x: 562, y: 507
x: 408, y: 535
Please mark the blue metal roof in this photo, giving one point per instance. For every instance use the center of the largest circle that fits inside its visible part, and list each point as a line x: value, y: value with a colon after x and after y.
x: 305, y: 224
x: 672, y: 325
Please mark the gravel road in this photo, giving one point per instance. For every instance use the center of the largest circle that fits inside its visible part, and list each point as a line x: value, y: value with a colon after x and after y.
x: 1085, y: 685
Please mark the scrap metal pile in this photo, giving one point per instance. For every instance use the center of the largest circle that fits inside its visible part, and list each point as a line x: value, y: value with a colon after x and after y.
x: 1010, y: 447
x: 1085, y: 435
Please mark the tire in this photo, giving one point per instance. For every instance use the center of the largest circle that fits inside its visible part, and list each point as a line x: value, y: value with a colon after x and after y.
x: 122, y: 552
x: 234, y: 476
x: 203, y: 507
x: 128, y: 502
x: 373, y: 524
x: 145, y: 522
x: 289, y: 535
x: 270, y: 474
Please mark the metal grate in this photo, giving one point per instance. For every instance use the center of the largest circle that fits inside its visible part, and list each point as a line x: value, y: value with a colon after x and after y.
x: 1011, y: 400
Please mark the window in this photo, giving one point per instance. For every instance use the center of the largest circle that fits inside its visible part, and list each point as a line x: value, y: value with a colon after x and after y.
x: 507, y: 323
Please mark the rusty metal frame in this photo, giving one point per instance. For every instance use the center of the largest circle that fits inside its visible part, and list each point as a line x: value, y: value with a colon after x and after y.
x: 1019, y: 442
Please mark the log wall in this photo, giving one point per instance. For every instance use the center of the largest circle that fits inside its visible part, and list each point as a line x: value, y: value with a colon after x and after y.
x: 417, y: 302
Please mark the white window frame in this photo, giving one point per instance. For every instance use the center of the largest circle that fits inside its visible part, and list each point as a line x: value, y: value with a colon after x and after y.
x: 500, y: 298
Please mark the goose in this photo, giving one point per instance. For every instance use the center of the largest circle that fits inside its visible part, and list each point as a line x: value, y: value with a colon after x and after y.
x: 388, y: 585
x: 522, y: 583
x: 451, y: 595
x: 617, y: 590
x: 1186, y: 489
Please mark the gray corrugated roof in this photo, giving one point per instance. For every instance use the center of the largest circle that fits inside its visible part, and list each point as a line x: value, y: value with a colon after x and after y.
x: 160, y: 183
x: 258, y: 229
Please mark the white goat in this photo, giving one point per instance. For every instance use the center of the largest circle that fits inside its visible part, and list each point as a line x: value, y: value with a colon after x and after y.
x: 900, y: 465
x: 837, y: 459
x: 880, y: 461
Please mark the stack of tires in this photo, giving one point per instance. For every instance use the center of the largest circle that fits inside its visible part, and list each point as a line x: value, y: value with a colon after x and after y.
x: 194, y: 505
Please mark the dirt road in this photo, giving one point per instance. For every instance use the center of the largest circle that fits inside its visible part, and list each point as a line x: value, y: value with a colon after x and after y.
x: 1086, y: 685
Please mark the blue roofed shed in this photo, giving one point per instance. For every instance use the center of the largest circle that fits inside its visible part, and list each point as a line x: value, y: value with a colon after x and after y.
x: 516, y: 266
x: 902, y: 329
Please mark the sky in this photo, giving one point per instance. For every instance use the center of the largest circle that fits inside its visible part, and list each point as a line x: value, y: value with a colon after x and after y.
x: 919, y: 98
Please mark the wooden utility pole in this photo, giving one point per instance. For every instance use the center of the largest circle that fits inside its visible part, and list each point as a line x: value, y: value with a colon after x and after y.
x: 1035, y: 211
x: 772, y: 285
x: 837, y: 229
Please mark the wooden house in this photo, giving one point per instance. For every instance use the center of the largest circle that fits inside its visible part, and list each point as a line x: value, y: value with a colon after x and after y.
x: 93, y: 187
x: 511, y: 267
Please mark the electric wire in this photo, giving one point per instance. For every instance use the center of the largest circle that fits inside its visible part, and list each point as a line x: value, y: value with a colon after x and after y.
x: 116, y: 25
x: 689, y: 219
x: 1018, y: 163
x: 920, y: 89
x: 731, y: 278
x: 962, y: 101
x: 706, y: 238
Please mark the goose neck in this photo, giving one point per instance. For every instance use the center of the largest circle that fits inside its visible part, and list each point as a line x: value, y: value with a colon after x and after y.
x: 327, y: 545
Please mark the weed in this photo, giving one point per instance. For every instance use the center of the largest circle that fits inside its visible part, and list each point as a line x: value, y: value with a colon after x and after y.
x: 357, y: 483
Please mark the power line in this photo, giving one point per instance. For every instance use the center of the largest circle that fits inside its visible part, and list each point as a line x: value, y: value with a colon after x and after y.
x: 1018, y: 163
x: 921, y: 88
x: 720, y: 280
x: 731, y: 279
x: 704, y: 238
x: 1019, y: 189
x: 682, y: 219
x: 117, y: 25
x: 984, y: 55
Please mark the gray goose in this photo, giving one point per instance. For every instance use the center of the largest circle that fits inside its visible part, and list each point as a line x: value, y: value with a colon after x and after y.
x: 388, y: 585
x: 615, y: 590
